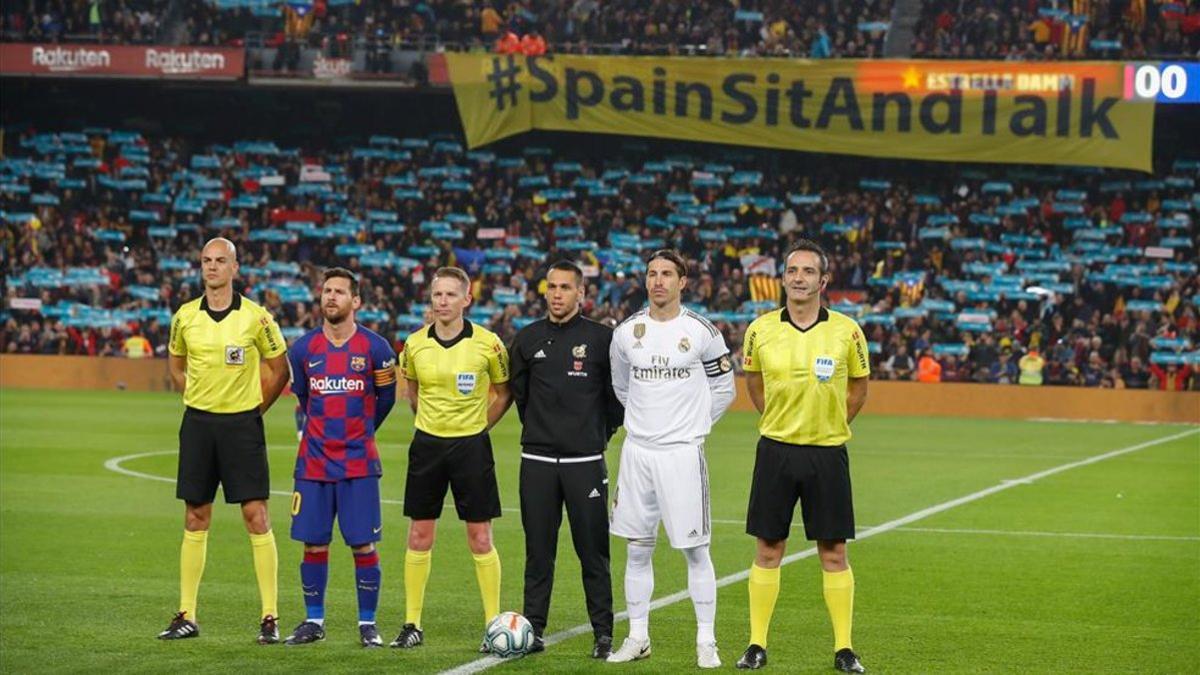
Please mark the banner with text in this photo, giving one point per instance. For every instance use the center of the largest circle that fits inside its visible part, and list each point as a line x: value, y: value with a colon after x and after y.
x: 67, y: 60
x: 974, y: 111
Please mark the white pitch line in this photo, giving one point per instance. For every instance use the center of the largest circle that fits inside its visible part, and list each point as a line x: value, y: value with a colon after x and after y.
x: 115, y: 463
x: 485, y: 663
x: 1011, y: 533
x: 1064, y: 535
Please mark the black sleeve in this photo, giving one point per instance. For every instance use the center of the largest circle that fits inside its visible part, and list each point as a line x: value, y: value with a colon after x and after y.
x: 614, y: 412
x: 518, y: 380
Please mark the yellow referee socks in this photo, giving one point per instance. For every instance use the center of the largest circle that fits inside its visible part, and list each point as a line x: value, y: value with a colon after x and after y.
x: 266, y: 569
x: 191, y: 567
x: 416, y: 573
x: 839, y: 599
x: 764, y: 590
x: 487, y: 571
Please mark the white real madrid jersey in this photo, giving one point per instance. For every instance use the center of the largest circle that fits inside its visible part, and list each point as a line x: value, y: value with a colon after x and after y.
x: 674, y: 377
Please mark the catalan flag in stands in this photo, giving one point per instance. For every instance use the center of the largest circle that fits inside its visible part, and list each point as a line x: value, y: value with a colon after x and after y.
x: 765, y: 289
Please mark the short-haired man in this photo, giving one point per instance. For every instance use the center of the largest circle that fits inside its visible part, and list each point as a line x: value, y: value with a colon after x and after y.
x: 218, y: 343
x: 672, y: 371
x: 344, y: 376
x: 453, y: 367
x: 806, y: 372
x: 562, y: 386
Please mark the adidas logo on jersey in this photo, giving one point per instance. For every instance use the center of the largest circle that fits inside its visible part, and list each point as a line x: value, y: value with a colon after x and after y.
x: 541, y: 354
x: 693, y: 534
x: 593, y: 494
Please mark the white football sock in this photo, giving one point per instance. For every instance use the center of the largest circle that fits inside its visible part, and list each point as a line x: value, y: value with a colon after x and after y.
x: 702, y: 586
x: 639, y: 586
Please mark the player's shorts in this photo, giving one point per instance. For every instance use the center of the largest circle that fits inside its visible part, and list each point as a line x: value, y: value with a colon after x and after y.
x: 817, y: 476
x: 228, y: 449
x: 354, y: 501
x: 463, y: 465
x: 667, y: 485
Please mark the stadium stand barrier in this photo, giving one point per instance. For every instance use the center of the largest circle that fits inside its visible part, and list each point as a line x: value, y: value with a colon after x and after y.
x: 23, y: 371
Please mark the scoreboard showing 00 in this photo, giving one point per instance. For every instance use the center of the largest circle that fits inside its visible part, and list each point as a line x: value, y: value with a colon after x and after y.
x: 1163, y: 82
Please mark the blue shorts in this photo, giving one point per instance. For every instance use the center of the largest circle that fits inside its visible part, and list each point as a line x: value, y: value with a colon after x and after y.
x: 354, y: 501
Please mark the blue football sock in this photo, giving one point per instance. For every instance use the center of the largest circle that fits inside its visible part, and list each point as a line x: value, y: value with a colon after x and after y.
x: 314, y: 576
x: 367, y: 575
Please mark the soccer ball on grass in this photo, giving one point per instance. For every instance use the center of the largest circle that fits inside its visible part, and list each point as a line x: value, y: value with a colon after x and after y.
x: 509, y: 635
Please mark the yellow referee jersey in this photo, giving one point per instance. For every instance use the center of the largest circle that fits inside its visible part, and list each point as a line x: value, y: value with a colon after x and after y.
x: 455, y: 378
x: 223, y: 351
x: 804, y: 375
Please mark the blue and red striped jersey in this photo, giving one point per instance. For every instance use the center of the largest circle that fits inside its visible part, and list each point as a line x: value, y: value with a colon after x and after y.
x: 345, y: 392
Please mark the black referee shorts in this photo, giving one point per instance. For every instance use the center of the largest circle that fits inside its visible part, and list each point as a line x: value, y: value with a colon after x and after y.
x: 817, y: 476
x: 222, y: 448
x: 464, y: 465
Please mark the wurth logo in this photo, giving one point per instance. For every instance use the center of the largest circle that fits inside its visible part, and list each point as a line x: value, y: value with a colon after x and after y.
x: 336, y: 385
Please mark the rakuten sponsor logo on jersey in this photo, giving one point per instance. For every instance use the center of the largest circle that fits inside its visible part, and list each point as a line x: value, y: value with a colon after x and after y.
x: 659, y: 369
x: 336, y: 385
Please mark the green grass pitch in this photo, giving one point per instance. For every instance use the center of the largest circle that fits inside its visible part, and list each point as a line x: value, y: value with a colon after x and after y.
x: 1092, y: 569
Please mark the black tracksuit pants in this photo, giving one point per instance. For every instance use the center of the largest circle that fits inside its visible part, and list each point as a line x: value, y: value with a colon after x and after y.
x: 583, y: 487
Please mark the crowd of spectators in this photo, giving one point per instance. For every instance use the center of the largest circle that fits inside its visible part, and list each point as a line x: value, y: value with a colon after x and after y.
x: 1031, y: 31
x: 1086, y: 276
x: 813, y: 28
x: 965, y: 29
x: 106, y: 21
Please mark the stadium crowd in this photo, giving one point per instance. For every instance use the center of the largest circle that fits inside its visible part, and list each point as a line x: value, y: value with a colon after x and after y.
x: 1030, y: 31
x: 716, y: 27
x: 119, y: 22
x: 961, y: 274
x: 808, y: 28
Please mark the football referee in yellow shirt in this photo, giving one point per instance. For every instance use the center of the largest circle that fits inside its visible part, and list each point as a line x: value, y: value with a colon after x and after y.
x: 806, y: 372
x: 230, y: 360
x: 453, y: 368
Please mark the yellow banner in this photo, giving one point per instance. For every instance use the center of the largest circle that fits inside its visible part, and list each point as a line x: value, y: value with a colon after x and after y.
x: 973, y: 111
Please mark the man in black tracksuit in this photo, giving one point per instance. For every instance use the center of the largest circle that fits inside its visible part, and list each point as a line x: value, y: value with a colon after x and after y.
x: 563, y: 391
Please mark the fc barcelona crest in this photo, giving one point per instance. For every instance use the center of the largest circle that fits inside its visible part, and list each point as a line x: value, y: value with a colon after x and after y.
x: 639, y: 330
x: 358, y: 363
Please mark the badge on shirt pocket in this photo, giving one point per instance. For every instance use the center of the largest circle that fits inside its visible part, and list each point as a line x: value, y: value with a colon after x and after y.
x: 823, y: 368
x: 466, y: 383
x: 235, y: 355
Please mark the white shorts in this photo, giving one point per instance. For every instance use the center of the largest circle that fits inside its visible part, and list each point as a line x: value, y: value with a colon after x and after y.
x: 667, y: 485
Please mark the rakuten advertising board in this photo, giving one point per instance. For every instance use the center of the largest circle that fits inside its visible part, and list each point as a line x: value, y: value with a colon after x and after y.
x: 220, y: 63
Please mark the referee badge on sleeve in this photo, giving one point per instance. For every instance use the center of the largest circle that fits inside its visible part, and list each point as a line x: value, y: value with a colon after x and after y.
x: 823, y: 368
x: 235, y: 355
